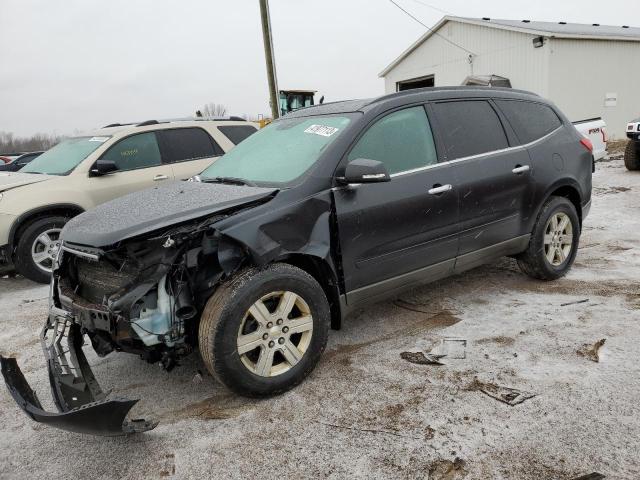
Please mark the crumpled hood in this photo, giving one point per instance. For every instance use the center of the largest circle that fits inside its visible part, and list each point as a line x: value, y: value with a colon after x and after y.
x: 9, y: 180
x: 156, y: 208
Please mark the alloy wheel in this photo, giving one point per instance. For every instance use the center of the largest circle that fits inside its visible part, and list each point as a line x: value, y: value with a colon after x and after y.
x: 45, y: 249
x: 558, y: 239
x: 275, y: 333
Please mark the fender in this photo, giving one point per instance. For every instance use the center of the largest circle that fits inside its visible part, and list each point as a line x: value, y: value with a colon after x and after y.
x: 562, y: 183
x: 34, y: 212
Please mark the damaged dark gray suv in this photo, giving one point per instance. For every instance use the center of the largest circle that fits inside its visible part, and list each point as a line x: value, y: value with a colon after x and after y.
x: 329, y: 209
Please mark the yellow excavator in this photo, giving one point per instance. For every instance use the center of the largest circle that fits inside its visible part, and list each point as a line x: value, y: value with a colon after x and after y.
x: 291, y: 100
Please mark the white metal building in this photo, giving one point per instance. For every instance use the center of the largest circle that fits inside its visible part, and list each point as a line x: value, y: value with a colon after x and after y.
x: 587, y: 70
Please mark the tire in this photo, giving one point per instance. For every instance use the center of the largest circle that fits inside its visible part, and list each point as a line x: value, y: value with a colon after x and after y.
x: 29, y: 242
x: 535, y: 261
x: 631, y: 157
x: 227, y: 312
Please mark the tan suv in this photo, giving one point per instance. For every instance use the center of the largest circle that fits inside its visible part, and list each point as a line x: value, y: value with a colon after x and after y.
x: 84, y: 171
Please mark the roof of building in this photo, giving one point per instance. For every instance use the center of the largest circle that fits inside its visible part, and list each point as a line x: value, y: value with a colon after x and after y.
x: 579, y: 31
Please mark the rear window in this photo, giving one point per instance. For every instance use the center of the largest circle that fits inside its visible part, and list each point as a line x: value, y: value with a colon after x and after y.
x: 469, y: 128
x: 184, y: 144
x: 530, y: 121
x: 237, y: 133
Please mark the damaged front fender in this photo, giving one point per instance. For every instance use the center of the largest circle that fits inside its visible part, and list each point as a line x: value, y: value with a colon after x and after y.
x: 83, y: 407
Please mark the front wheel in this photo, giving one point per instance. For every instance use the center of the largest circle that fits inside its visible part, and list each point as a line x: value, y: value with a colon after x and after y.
x: 554, y: 241
x: 38, y: 247
x: 264, y: 331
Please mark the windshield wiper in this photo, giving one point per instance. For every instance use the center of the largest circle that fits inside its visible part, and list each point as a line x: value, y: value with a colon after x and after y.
x: 229, y: 181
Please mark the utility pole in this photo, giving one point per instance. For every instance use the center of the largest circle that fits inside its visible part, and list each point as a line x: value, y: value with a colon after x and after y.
x: 268, y: 54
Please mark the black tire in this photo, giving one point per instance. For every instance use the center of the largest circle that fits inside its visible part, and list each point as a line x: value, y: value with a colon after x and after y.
x: 533, y: 261
x: 223, y: 316
x: 631, y: 157
x: 25, y: 265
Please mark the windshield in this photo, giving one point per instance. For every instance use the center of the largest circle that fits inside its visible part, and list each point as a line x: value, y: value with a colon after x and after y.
x: 279, y: 153
x: 65, y: 156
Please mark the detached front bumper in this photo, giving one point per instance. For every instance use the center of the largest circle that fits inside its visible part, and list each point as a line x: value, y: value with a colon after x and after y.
x: 83, y: 406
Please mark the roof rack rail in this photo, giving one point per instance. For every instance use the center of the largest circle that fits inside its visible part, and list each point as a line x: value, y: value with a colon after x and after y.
x: 113, y: 125
x: 147, y: 122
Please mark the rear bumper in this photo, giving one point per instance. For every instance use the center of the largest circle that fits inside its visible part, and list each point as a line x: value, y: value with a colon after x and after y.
x: 83, y: 406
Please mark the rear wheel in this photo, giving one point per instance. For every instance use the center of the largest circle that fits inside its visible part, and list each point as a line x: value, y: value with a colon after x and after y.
x: 631, y: 157
x: 264, y: 331
x: 554, y: 241
x: 38, y: 248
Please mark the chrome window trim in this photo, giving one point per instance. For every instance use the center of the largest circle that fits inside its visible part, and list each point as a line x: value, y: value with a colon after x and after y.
x: 473, y: 157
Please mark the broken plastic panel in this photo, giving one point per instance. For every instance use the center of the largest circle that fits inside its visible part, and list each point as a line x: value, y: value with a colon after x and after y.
x: 83, y: 406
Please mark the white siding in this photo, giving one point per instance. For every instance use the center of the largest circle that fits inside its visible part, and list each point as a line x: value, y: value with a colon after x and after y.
x: 582, y: 72
x: 500, y: 52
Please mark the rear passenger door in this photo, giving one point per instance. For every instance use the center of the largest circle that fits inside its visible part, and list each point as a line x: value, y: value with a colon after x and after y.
x: 397, y: 233
x: 139, y: 162
x: 495, y: 187
x: 188, y: 150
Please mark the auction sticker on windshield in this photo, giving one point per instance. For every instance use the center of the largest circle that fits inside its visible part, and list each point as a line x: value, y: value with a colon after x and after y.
x: 99, y: 139
x: 321, y: 130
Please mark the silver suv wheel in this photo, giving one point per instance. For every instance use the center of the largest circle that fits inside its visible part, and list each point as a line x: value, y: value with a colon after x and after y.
x: 275, y: 333
x: 45, y: 249
x: 558, y: 239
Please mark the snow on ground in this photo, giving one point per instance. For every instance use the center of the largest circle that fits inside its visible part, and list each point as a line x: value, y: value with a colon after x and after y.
x: 365, y: 412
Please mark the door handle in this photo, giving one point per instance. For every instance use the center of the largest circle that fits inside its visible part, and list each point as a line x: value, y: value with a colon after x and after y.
x: 438, y: 189
x: 521, y: 169
x: 158, y: 178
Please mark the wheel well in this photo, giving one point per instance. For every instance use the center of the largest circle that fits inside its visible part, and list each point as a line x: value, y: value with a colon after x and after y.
x: 572, y: 195
x: 323, y: 274
x: 24, y: 221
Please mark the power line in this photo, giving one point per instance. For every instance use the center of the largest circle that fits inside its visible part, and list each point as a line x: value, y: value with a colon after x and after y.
x: 432, y: 7
x: 432, y: 30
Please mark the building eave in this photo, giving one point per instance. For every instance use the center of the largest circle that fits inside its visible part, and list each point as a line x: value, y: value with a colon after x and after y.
x: 511, y: 28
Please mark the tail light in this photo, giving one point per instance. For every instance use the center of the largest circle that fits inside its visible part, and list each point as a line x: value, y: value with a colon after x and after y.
x: 605, y: 135
x: 586, y: 143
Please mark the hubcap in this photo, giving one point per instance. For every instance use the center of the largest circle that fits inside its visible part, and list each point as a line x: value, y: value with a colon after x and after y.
x: 558, y: 239
x: 45, y: 249
x: 275, y: 333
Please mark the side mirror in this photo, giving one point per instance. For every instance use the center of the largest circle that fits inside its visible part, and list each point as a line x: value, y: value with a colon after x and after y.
x: 363, y: 170
x: 103, y: 167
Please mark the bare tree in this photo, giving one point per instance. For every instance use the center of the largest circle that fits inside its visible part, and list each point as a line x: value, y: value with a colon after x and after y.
x: 212, y: 110
x: 9, y: 143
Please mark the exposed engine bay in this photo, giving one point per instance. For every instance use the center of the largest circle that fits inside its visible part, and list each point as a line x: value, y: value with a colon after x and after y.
x: 140, y: 287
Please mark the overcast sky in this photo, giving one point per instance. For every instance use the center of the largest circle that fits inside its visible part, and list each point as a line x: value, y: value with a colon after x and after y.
x: 70, y: 65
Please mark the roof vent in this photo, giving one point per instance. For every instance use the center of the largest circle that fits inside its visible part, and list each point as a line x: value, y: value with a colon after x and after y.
x: 526, y: 21
x: 562, y: 23
x: 596, y: 24
x: 486, y: 18
x: 625, y: 26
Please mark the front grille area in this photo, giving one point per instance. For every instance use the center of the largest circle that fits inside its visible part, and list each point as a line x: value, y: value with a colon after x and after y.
x: 97, y: 280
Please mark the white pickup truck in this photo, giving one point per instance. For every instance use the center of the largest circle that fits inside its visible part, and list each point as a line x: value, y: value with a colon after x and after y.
x: 595, y: 129
x: 632, y: 152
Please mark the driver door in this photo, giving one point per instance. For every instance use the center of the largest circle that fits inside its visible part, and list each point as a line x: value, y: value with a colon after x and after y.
x: 401, y: 232
x: 140, y: 165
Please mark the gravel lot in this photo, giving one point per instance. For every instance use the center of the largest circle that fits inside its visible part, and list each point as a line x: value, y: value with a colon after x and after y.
x: 366, y: 412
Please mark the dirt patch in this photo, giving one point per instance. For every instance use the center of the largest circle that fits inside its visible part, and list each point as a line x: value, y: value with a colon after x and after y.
x: 213, y: 408
x: 499, y: 340
x: 600, y: 191
x: 447, y: 469
x: 565, y: 286
x: 439, y: 320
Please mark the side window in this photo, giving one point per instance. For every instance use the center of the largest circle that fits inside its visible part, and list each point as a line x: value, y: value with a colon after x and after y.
x: 237, y: 133
x: 402, y: 141
x: 469, y: 127
x: 530, y: 121
x: 136, y: 151
x: 189, y: 144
